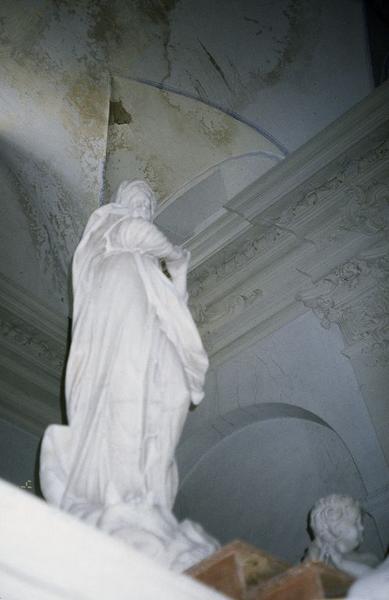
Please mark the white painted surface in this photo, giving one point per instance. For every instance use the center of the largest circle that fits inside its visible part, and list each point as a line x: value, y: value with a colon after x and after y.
x: 374, y: 586
x: 48, y: 555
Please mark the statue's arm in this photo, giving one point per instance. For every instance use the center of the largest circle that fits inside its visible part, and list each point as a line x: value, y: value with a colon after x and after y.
x: 177, y: 264
x: 176, y: 258
x: 141, y: 236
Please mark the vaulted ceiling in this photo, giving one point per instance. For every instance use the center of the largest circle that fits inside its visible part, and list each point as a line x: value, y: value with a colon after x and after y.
x: 199, y: 98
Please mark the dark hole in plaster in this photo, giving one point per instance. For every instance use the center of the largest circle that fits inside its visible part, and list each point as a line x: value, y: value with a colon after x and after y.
x: 118, y: 115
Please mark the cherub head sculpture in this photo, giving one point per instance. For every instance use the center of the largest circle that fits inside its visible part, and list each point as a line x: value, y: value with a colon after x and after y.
x: 138, y: 197
x: 336, y: 522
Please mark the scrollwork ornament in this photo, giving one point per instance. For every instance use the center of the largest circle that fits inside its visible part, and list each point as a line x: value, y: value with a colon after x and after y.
x: 367, y: 211
x: 232, y: 260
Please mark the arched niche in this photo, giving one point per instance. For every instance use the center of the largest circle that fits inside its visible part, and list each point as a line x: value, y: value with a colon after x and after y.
x: 255, y: 474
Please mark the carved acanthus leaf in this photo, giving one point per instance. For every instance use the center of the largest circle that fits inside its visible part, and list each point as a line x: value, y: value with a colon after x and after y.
x: 367, y: 211
x: 321, y: 298
x: 368, y: 322
x: 363, y: 318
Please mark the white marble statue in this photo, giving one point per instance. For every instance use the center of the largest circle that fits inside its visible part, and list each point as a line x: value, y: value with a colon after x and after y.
x: 336, y: 523
x: 136, y: 363
x: 372, y: 586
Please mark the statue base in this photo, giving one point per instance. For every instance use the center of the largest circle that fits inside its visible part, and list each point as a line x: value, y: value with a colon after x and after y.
x: 243, y: 572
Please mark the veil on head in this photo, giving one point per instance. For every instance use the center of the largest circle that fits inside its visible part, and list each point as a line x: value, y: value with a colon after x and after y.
x: 129, y: 191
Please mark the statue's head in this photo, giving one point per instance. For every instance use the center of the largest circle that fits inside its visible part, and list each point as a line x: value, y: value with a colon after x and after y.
x: 336, y: 522
x: 138, y: 197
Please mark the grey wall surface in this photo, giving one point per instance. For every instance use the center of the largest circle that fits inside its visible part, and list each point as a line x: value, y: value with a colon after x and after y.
x: 260, y: 483
x: 18, y: 455
x: 282, y: 424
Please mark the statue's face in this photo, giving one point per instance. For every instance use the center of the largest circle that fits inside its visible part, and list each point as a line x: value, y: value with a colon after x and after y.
x: 141, y: 207
x: 349, y: 531
x: 138, y: 198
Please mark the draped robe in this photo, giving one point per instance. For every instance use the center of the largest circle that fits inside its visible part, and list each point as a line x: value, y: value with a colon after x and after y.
x: 136, y: 362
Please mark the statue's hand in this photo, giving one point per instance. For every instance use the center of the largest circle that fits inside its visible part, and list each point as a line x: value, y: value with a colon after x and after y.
x: 177, y: 264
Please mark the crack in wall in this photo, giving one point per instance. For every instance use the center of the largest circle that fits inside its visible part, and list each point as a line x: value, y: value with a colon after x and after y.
x: 215, y: 65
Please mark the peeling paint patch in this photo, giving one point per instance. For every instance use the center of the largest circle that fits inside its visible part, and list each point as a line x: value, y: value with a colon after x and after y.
x: 218, y: 135
x: 118, y: 115
x: 157, y: 10
x: 105, y: 23
x: 88, y: 99
x: 294, y: 41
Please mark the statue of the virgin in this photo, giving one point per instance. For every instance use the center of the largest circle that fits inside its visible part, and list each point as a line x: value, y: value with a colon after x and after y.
x: 136, y: 363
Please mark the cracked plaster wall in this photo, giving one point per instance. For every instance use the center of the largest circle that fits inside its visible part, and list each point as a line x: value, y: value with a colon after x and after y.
x: 54, y: 105
x: 174, y: 142
x: 287, y: 68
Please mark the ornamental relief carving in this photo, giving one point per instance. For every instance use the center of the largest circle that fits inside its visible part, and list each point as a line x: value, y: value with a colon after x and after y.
x: 362, y: 209
x: 363, y: 311
x: 214, y: 314
x: 370, y: 318
x: 322, y: 297
x: 366, y: 211
x: 230, y: 261
x: 42, y: 348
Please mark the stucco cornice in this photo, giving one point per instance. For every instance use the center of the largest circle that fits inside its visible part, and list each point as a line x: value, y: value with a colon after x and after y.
x: 321, y: 208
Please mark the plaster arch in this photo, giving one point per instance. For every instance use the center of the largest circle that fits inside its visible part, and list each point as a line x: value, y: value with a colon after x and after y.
x: 255, y: 473
x: 174, y: 140
x: 194, y: 448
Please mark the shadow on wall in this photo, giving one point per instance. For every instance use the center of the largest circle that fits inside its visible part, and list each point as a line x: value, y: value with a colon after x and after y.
x: 261, y: 471
x: 39, y: 227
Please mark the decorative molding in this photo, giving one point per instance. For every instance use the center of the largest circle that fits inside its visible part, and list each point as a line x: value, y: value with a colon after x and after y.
x: 367, y: 122
x: 356, y: 297
x: 304, y: 234
x: 367, y: 210
x: 231, y: 307
x: 363, y: 206
x: 233, y: 258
